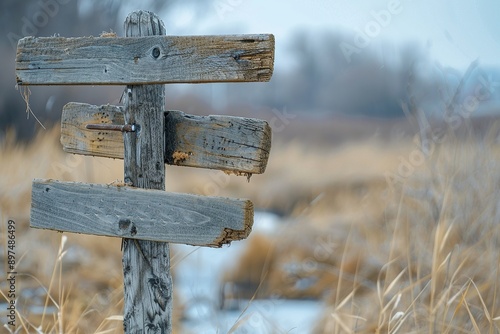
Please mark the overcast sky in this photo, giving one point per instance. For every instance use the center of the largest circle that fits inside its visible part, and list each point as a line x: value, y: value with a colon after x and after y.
x: 456, y: 32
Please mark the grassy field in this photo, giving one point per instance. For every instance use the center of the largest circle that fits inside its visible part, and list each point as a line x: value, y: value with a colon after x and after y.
x: 391, y: 239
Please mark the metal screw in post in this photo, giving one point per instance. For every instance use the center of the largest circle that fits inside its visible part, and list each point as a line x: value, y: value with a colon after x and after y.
x: 112, y: 127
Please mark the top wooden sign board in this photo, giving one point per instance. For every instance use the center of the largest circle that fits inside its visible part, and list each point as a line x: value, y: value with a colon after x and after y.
x: 144, y: 60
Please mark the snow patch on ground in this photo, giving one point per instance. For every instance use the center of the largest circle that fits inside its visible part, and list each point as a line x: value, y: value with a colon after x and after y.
x: 198, y: 271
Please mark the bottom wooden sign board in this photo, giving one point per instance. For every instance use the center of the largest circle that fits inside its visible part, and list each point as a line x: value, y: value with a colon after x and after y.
x: 127, y: 212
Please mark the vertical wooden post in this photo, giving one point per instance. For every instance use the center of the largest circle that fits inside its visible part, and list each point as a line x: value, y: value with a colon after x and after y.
x: 146, y: 265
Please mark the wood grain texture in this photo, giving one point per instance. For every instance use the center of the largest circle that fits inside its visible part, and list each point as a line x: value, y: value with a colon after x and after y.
x: 75, y: 138
x: 142, y: 214
x: 144, y: 60
x: 147, y: 279
x: 236, y: 144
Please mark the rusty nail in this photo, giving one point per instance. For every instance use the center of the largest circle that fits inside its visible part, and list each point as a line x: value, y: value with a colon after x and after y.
x: 112, y: 127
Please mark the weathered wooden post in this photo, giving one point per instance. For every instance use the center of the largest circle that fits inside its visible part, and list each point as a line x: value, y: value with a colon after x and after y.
x: 147, y: 137
x: 146, y: 264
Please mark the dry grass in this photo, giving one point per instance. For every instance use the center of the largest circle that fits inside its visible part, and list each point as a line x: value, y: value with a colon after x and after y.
x: 419, y: 256
x: 81, y: 289
x: 61, y: 290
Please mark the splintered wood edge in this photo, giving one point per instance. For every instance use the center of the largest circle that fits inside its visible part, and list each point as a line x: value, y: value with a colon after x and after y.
x: 229, y: 235
x: 268, y: 132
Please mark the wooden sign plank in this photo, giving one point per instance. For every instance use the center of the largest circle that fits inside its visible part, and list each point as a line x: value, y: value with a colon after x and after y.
x: 144, y: 60
x: 127, y: 212
x: 236, y: 144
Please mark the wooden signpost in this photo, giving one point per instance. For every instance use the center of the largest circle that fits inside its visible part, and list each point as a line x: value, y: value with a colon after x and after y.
x: 146, y: 137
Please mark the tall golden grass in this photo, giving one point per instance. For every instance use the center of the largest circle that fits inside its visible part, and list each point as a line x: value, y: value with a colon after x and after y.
x: 65, y: 284
x: 420, y: 255
x: 415, y: 252
x: 73, y: 289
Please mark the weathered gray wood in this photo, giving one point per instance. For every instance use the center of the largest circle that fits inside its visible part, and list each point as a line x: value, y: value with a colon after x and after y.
x: 148, y: 301
x: 236, y: 144
x: 75, y: 138
x: 144, y: 60
x: 143, y: 214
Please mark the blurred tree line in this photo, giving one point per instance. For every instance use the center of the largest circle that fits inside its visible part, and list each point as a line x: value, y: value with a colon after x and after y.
x: 326, y: 73
x: 375, y: 81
